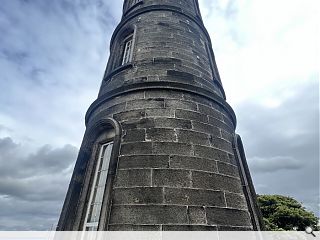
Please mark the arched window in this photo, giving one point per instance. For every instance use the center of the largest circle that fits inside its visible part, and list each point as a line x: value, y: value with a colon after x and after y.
x: 106, y: 134
x: 122, y: 52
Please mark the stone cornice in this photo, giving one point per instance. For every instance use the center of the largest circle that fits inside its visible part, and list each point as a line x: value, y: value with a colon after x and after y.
x: 161, y: 85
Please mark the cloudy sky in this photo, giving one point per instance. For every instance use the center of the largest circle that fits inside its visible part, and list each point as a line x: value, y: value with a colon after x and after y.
x: 52, y: 58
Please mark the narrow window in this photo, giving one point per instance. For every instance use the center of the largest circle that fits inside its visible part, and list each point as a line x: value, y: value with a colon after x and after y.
x: 97, y: 192
x: 127, y: 52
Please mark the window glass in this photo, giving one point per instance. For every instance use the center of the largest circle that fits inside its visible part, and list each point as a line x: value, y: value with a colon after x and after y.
x: 99, y: 184
x: 127, y: 53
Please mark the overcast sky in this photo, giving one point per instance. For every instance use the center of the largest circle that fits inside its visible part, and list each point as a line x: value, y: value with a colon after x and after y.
x: 52, y: 57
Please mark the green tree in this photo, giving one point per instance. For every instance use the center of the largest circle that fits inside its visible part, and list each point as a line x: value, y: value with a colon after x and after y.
x: 285, y: 213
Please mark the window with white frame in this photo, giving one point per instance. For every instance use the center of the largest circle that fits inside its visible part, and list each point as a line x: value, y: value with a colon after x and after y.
x: 128, y: 49
x: 97, y: 192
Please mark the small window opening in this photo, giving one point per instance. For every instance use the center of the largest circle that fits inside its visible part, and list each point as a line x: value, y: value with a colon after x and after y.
x: 128, y: 49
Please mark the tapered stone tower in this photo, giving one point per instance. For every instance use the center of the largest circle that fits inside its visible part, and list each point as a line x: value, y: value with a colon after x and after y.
x: 160, y: 150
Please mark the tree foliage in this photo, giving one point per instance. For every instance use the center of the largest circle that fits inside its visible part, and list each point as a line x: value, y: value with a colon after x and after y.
x: 285, y: 213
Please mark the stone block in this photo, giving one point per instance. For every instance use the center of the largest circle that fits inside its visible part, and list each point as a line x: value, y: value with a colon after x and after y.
x: 172, y: 148
x: 205, y: 128
x: 188, y: 228
x: 228, y: 169
x: 236, y: 201
x: 138, y: 123
x: 133, y: 178
x: 172, y: 123
x: 129, y: 115
x: 143, y: 161
x: 134, y: 135
x: 218, y: 123
x: 208, y: 110
x: 211, y: 153
x: 194, y: 197
x: 136, y: 148
x: 227, y: 136
x: 179, y: 104
x: 197, y: 99
x: 160, y: 112
x: 139, y: 195
x: 186, y: 136
x: 228, y: 121
x: 193, y: 163
x: 130, y: 227
x: 215, y: 181
x: 171, y: 178
x: 189, y: 115
x: 160, y: 135
x: 165, y: 94
x: 197, y: 215
x: 149, y: 214
x: 225, y: 216
x: 233, y: 228
x: 144, y: 104
x: 221, y: 144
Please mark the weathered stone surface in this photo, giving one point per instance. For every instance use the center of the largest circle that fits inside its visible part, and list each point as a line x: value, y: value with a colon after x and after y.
x: 185, y: 196
x: 138, y: 123
x: 144, y: 104
x: 139, y: 195
x: 186, y: 136
x: 134, y: 135
x: 130, y: 227
x: 211, y: 153
x: 226, y: 217
x: 129, y: 115
x: 172, y: 148
x: 136, y: 148
x: 171, y: 178
x: 172, y: 123
x: 149, y: 214
x: 160, y: 112
x: 215, y: 182
x: 197, y: 215
x: 143, y: 161
x: 193, y: 163
x: 161, y: 135
x: 189, y: 228
x: 184, y: 114
x: 205, y: 128
x: 133, y: 178
x: 228, y: 169
x: 236, y: 201
x: 180, y: 104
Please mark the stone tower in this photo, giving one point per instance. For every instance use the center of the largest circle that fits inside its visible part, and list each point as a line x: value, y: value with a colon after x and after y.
x: 160, y: 150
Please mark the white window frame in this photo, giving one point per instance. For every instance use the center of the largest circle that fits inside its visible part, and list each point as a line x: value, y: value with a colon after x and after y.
x: 99, y: 165
x: 128, y: 45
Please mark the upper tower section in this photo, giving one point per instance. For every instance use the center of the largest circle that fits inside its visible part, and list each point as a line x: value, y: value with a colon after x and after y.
x: 188, y: 6
x: 161, y: 44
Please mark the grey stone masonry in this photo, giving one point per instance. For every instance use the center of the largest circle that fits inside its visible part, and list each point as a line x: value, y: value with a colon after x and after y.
x: 175, y: 167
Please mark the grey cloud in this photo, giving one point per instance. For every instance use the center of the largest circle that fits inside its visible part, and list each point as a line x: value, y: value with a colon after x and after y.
x: 274, y: 164
x: 32, y: 187
x: 290, y: 130
x: 15, y: 163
